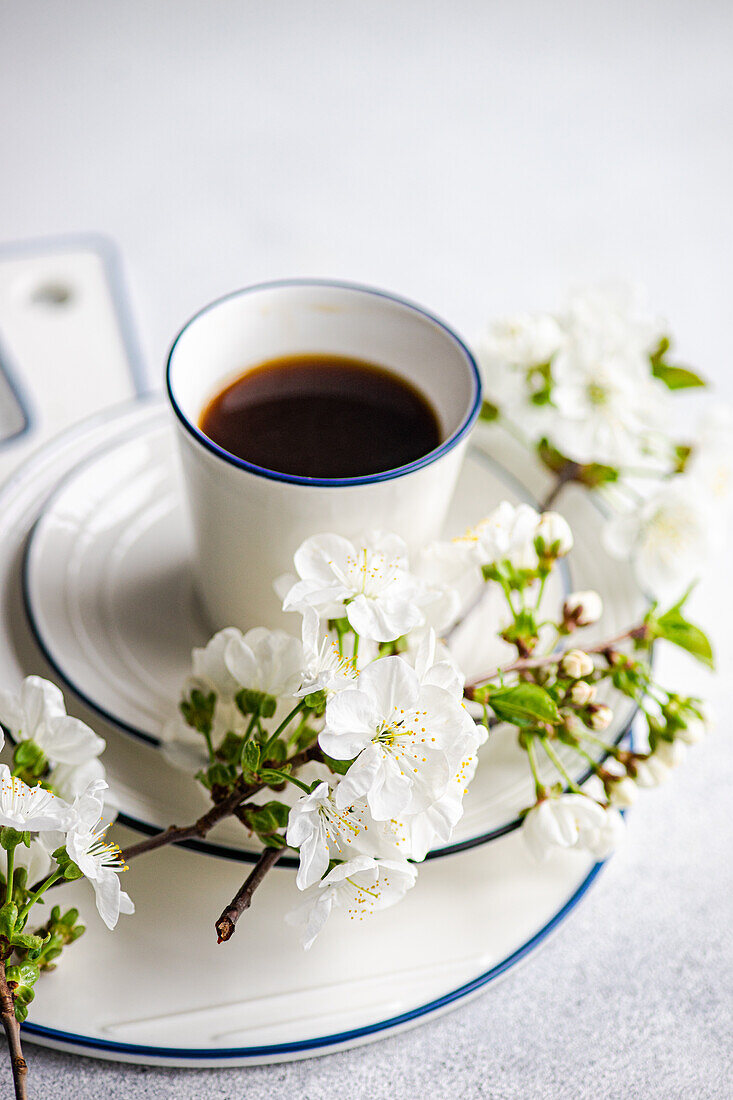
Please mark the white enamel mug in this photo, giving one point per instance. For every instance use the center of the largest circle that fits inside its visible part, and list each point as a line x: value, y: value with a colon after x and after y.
x: 248, y: 521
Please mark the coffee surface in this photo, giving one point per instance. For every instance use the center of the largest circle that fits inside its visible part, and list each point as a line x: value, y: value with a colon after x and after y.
x: 322, y: 416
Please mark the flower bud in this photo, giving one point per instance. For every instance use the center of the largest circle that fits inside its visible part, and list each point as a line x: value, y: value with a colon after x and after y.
x: 650, y: 771
x: 553, y: 537
x: 582, y: 693
x: 600, y: 716
x: 582, y: 609
x: 622, y: 792
x: 576, y: 664
x: 696, y: 725
x: 571, y: 724
x: 671, y: 753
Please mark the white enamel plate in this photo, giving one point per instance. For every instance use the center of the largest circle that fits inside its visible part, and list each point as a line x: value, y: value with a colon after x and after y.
x: 159, y: 989
x: 107, y: 586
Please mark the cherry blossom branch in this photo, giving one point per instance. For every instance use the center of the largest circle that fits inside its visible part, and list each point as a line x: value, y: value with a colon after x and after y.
x: 639, y: 632
x: 12, y: 1031
x: 176, y: 834
x: 242, y: 900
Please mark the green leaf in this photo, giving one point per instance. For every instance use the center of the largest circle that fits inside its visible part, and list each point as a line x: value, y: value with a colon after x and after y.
x: 29, y: 756
x: 277, y: 752
x: 316, y: 701
x: 251, y: 756
x: 673, y: 627
x: 489, y: 411
x: 230, y: 749
x: 198, y: 711
x: 340, y: 767
x: 8, y: 917
x: 26, y: 974
x: 594, y: 474
x: 263, y: 821
x: 275, y: 840
x: 522, y: 701
x: 272, y: 777
x: 279, y: 811
x: 27, y: 941
x: 67, y: 865
x: 677, y: 378
x: 9, y: 837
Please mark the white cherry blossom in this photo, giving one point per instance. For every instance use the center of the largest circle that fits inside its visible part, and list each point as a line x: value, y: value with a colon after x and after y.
x: 606, y: 402
x: 324, y: 668
x: 452, y: 575
x: 571, y: 821
x: 36, y: 859
x: 507, y: 354
x: 37, y: 713
x: 30, y: 809
x: 322, y: 831
x: 99, y: 860
x: 710, y: 465
x: 507, y: 534
x: 362, y: 885
x: 434, y: 664
x: 270, y: 661
x: 668, y: 537
x: 368, y: 582
x: 617, y: 313
x: 434, y: 826
x: 70, y: 780
x: 405, y: 737
x: 210, y: 671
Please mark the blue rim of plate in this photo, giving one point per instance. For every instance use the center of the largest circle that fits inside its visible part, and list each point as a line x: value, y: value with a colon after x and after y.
x: 294, y: 479
x: 206, y: 847
x: 327, y: 1042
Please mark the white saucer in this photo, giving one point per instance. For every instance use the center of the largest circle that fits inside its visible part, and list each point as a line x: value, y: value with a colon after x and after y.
x: 468, y: 920
x: 107, y: 587
x: 170, y: 996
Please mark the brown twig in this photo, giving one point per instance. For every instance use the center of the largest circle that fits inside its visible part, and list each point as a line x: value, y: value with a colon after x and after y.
x: 176, y: 834
x: 566, y: 473
x: 12, y: 1030
x: 242, y: 900
x: 525, y: 663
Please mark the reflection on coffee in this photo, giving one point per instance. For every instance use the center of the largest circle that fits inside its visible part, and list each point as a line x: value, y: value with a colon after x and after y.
x: 322, y: 416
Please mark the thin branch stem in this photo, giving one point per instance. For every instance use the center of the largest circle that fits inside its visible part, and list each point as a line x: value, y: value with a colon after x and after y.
x: 539, y: 789
x: 300, y: 705
x: 35, y: 895
x: 12, y: 1031
x: 198, y: 829
x: 9, y: 876
x: 558, y: 764
x: 242, y: 900
x: 568, y: 472
x: 525, y: 663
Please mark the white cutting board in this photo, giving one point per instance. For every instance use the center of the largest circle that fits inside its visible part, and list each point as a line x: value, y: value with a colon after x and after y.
x: 67, y: 344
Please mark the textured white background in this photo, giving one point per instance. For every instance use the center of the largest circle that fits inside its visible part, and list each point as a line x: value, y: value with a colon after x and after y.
x: 478, y: 157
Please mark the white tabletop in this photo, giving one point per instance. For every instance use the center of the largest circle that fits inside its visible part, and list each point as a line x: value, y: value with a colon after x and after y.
x: 478, y: 158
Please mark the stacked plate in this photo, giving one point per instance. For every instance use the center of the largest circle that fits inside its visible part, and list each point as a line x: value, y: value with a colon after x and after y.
x: 95, y: 577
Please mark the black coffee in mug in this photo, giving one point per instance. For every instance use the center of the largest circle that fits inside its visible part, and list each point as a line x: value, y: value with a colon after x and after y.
x: 322, y: 416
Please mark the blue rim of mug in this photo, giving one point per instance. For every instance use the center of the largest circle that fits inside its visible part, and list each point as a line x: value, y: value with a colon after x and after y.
x: 295, y: 479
